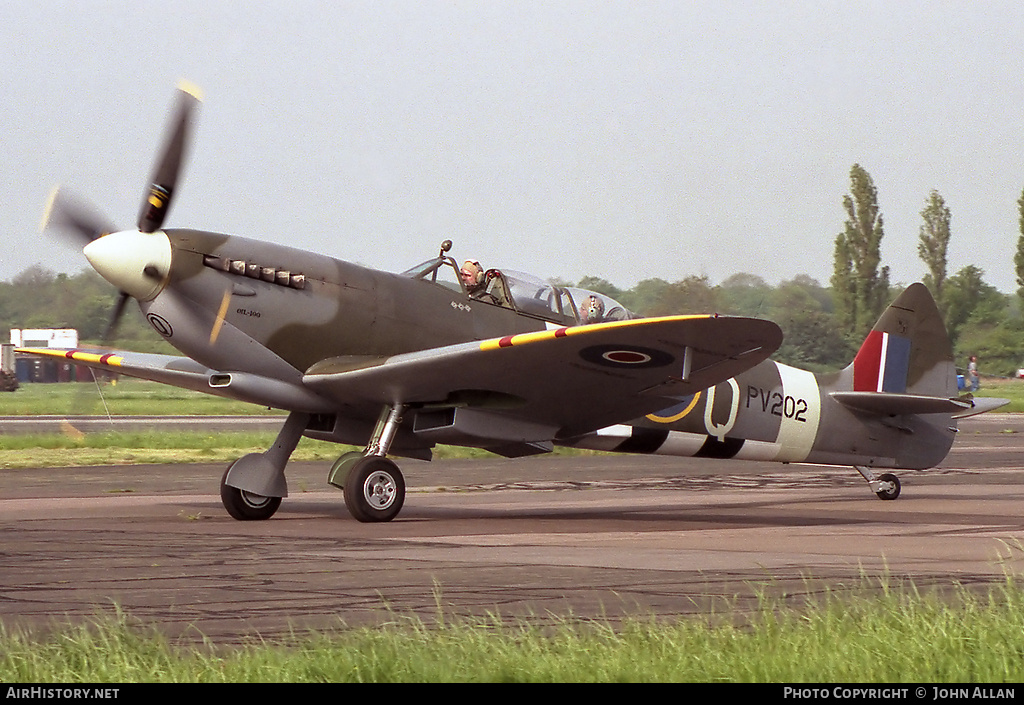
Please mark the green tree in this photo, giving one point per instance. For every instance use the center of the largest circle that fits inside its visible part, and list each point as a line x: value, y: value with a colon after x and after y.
x: 39, y: 298
x: 744, y: 294
x: 934, y: 242
x: 821, y: 294
x: 810, y: 337
x: 655, y: 297
x: 1018, y: 257
x: 693, y: 295
x: 968, y: 298
x: 602, y: 286
x: 644, y: 297
x: 860, y: 288
x: 998, y: 346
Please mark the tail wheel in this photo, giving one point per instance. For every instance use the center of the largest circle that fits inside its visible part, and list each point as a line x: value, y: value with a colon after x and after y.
x: 374, y: 490
x: 247, y: 506
x: 893, y: 489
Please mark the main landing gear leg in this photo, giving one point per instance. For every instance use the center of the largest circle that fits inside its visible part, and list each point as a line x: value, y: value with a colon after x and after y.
x: 373, y: 485
x: 886, y: 486
x: 254, y: 484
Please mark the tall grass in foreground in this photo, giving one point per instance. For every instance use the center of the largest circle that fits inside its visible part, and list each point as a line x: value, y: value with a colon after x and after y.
x: 889, y: 637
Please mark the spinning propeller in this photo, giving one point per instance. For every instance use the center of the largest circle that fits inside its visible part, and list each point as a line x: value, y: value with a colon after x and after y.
x: 136, y: 261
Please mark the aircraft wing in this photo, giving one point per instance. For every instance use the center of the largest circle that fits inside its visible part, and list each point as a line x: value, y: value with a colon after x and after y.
x: 169, y: 369
x: 525, y: 388
x: 179, y: 371
x: 555, y: 383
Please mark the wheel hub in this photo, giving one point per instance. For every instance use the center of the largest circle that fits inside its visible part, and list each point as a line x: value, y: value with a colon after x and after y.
x: 380, y: 490
x: 256, y: 501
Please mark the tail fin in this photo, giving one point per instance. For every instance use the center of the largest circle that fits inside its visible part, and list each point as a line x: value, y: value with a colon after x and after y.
x: 905, y: 364
x: 908, y: 351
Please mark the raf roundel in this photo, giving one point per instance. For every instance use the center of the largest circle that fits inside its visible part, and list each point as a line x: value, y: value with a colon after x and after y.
x: 626, y: 356
x: 161, y: 325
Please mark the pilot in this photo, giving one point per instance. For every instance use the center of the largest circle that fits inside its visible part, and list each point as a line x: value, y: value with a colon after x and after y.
x: 473, y: 277
x: 592, y: 310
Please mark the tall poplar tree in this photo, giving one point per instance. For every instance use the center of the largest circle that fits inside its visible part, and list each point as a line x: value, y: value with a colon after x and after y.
x: 860, y: 288
x: 1018, y: 258
x: 934, y: 242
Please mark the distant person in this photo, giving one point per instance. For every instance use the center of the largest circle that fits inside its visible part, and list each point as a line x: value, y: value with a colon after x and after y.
x: 473, y: 277
x: 592, y: 310
x: 973, y: 378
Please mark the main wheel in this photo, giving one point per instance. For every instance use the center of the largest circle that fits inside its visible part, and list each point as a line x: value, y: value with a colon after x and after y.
x: 374, y: 489
x: 894, y: 489
x: 247, y: 506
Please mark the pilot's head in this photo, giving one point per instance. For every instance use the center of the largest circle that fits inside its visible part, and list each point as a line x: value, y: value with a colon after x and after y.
x: 472, y: 273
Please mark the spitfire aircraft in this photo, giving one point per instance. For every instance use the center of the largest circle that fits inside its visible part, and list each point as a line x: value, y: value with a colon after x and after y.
x: 438, y: 354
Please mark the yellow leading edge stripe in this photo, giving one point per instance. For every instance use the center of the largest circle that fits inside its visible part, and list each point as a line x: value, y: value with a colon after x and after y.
x: 108, y: 359
x: 522, y: 338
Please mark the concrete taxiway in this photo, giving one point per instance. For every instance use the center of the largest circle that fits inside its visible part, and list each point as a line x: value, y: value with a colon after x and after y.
x: 542, y: 537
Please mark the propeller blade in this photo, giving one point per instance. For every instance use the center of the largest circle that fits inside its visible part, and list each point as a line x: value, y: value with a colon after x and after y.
x: 75, y: 217
x: 82, y: 404
x: 157, y: 201
x: 222, y: 312
x: 115, y: 320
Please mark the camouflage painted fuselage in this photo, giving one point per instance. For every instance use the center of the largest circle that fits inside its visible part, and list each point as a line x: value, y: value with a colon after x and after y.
x: 233, y: 304
x: 780, y: 413
x: 278, y: 330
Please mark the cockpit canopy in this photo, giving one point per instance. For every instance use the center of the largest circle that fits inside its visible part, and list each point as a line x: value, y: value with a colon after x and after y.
x: 550, y: 302
x: 526, y: 294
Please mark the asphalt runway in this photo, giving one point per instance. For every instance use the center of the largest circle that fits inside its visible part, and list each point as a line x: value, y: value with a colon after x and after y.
x: 542, y: 538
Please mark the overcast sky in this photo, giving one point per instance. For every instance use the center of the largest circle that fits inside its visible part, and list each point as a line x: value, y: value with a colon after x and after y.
x: 625, y: 140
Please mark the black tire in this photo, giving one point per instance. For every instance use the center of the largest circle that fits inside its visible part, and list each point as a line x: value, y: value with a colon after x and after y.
x: 374, y: 490
x: 246, y: 506
x: 892, y: 493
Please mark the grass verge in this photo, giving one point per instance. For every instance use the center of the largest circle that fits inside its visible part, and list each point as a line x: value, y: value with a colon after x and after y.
x: 1004, y: 388
x: 887, y: 636
x: 130, y: 448
x: 163, y: 446
x: 127, y: 397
